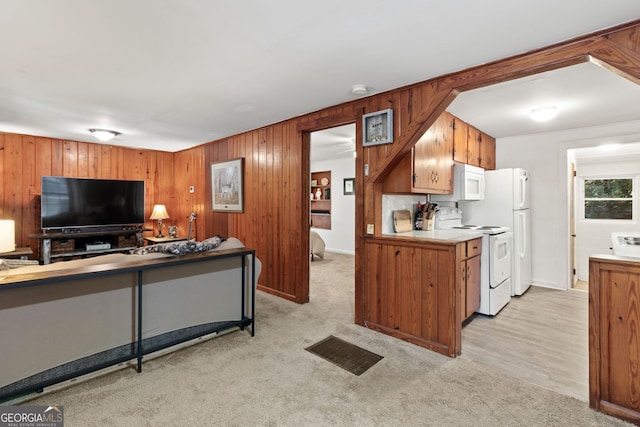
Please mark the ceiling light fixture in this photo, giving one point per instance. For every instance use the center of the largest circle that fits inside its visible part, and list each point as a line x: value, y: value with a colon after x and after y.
x: 103, y: 134
x: 359, y: 90
x: 544, y: 114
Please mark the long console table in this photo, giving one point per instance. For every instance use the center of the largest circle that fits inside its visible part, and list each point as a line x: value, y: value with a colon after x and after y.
x: 166, y: 281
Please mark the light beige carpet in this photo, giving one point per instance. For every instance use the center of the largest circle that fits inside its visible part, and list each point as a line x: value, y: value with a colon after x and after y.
x: 271, y: 380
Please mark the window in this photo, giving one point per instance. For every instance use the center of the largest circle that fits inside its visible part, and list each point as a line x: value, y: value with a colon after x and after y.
x: 608, y: 198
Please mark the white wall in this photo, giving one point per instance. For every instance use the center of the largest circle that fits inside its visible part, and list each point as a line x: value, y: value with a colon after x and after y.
x: 594, y: 236
x: 393, y: 202
x: 545, y: 157
x: 341, y: 238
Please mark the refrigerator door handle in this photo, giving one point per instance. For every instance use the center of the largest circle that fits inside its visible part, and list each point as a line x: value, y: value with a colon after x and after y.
x: 523, y: 190
x: 523, y: 230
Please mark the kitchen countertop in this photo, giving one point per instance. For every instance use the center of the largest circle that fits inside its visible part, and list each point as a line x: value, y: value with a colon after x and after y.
x: 455, y: 236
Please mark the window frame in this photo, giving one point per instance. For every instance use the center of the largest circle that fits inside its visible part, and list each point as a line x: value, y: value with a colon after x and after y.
x: 634, y: 199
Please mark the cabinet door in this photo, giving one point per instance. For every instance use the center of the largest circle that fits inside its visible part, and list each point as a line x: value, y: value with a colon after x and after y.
x: 487, y: 152
x: 460, y: 138
x: 462, y: 274
x: 443, y: 146
x: 473, y: 147
x: 472, y: 286
x: 432, y: 163
x: 422, y: 161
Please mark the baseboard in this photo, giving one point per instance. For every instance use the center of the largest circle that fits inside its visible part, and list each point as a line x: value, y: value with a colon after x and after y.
x: 550, y: 285
x: 339, y: 251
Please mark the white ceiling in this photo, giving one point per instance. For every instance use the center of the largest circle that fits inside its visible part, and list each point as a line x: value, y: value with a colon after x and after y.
x: 172, y: 74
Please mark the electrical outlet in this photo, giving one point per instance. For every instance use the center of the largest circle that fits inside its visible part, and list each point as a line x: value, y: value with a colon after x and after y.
x: 192, y: 189
x: 369, y: 228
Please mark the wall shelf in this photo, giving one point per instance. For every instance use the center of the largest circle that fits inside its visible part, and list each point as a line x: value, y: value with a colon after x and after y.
x: 321, y: 208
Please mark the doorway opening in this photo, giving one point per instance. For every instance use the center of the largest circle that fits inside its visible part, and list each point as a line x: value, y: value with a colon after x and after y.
x: 593, y: 214
x: 332, y: 200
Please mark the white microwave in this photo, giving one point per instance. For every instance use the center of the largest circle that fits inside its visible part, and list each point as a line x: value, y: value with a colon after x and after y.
x: 468, y: 184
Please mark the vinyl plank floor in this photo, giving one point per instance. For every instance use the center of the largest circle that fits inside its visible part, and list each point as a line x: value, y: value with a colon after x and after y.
x: 540, y: 337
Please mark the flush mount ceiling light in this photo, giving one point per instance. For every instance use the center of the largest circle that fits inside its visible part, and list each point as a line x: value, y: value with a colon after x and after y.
x: 359, y: 90
x: 103, y: 134
x: 544, y: 114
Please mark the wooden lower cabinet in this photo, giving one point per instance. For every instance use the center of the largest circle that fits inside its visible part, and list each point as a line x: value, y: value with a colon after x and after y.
x: 614, y: 336
x: 468, y: 255
x: 470, y: 276
x: 412, y: 291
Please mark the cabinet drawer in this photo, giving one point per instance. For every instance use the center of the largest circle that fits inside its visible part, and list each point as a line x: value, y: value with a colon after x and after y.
x: 474, y: 247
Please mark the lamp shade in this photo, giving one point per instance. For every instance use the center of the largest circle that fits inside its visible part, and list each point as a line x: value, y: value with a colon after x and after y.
x: 159, y: 212
x: 7, y: 235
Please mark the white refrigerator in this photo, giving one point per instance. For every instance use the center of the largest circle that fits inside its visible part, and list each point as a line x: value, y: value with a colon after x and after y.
x: 506, y: 203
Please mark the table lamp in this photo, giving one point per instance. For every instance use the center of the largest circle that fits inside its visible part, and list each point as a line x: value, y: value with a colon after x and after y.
x: 7, y: 235
x: 159, y: 213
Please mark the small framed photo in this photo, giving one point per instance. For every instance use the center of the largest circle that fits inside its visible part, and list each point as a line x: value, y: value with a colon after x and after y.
x: 349, y: 186
x: 227, y: 186
x: 314, y: 182
x: 377, y: 128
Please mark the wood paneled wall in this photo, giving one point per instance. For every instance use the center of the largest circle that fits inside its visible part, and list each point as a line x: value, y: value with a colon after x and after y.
x: 276, y: 205
x: 24, y: 159
x: 276, y: 216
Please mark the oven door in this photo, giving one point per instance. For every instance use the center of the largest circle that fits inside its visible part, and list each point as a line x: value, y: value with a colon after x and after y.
x: 500, y: 247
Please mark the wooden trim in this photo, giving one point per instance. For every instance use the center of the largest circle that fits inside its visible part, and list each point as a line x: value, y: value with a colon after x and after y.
x: 280, y: 294
x: 322, y: 123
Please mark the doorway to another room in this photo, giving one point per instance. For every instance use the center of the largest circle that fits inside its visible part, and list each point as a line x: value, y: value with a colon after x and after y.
x: 332, y: 187
x: 603, y: 199
x: 332, y: 215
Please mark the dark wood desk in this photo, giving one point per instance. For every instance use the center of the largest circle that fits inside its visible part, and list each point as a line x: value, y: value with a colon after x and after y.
x: 19, y: 253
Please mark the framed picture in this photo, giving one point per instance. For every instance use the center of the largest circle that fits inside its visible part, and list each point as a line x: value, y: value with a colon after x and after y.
x: 227, y: 186
x: 377, y: 128
x: 349, y: 186
x: 314, y: 182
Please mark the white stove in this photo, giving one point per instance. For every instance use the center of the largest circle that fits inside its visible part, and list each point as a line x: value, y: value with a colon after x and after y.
x: 495, y: 261
x: 448, y: 217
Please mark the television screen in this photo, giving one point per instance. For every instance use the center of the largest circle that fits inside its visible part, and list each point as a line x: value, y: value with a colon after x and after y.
x: 86, y: 202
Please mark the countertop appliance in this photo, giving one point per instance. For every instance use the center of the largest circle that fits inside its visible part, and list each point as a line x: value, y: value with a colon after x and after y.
x: 468, y: 184
x: 626, y: 243
x: 506, y: 203
x: 495, y: 261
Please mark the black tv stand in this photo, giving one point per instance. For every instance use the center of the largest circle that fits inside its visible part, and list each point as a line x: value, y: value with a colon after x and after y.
x: 65, y: 244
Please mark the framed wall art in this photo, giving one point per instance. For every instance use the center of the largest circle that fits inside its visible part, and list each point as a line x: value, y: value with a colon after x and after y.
x: 349, y: 186
x: 227, y: 186
x: 377, y: 128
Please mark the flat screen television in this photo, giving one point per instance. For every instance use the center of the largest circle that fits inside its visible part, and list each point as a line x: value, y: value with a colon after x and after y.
x: 86, y: 203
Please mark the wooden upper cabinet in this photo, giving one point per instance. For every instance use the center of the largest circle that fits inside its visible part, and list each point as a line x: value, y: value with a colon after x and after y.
x: 460, y: 136
x: 472, y: 146
x: 429, y: 166
x: 487, y: 152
